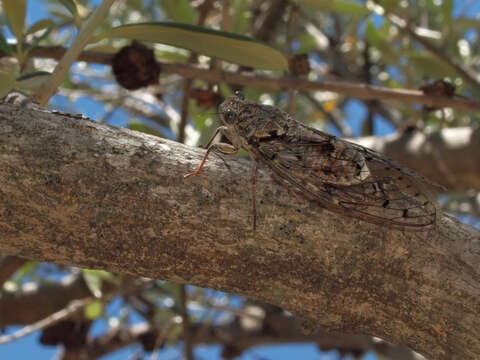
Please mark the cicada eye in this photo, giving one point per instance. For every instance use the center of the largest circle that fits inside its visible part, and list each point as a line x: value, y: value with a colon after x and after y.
x: 239, y: 94
x: 228, y: 116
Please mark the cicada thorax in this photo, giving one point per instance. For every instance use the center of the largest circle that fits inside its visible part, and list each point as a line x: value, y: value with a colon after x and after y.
x: 256, y: 123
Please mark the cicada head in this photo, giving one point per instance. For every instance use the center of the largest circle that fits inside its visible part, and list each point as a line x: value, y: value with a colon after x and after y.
x: 251, y: 120
x: 232, y: 109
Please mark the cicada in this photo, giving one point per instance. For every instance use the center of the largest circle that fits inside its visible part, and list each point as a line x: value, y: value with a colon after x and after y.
x: 340, y: 176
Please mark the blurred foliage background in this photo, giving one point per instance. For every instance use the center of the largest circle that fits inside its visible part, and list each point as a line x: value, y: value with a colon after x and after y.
x: 137, y: 76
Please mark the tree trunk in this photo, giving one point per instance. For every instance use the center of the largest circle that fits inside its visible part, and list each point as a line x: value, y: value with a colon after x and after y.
x: 79, y: 193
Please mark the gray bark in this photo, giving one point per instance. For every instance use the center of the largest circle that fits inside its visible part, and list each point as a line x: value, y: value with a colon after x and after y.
x: 79, y: 193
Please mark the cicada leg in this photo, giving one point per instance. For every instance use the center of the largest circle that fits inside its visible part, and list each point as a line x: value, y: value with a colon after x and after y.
x: 222, y: 148
x: 253, y: 180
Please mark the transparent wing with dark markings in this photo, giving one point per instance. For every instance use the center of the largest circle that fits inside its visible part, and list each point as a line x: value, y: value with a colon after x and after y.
x: 351, y: 180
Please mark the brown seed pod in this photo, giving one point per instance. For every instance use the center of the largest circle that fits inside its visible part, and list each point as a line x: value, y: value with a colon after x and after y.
x: 205, y: 98
x: 134, y: 66
x: 299, y: 64
x: 439, y: 88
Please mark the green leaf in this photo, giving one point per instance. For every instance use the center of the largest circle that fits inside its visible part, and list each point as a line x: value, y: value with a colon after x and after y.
x: 102, y: 274
x: 240, y: 17
x: 308, y: 43
x: 16, y: 10
x: 37, y: 39
x: 93, y: 279
x: 447, y: 7
x: 4, y: 47
x: 40, y: 25
x: 32, y: 81
x: 231, y: 47
x: 173, y: 55
x: 430, y: 65
x: 342, y: 7
x: 179, y: 10
x: 26, y: 269
x: 377, y: 38
x: 70, y: 6
x: 94, y: 310
x: 7, y: 82
x: 61, y: 16
x: 349, y: 8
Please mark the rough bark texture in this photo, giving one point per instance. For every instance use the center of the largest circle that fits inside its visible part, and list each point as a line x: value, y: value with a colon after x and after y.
x: 80, y: 193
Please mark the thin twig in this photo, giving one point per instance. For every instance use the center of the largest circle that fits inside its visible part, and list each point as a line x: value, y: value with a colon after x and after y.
x: 361, y: 91
x: 184, y: 110
x: 187, y: 330
x: 71, y: 308
x: 162, y: 335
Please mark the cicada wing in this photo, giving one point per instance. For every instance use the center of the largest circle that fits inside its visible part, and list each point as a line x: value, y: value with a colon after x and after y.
x: 351, y: 180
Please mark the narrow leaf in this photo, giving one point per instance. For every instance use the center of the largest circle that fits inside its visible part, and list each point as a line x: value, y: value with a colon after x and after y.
x: 378, y: 38
x: 430, y: 65
x: 94, y: 282
x: 16, y: 10
x: 447, y: 7
x: 231, y: 47
x: 349, y: 8
x: 94, y: 310
x: 7, y: 82
x: 40, y: 25
x: 28, y: 268
x: 70, y: 6
x: 240, y: 17
x: 179, y: 10
x: 32, y: 81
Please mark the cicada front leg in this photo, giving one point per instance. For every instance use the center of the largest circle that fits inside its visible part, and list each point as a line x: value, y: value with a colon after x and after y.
x: 253, y: 180
x: 222, y: 148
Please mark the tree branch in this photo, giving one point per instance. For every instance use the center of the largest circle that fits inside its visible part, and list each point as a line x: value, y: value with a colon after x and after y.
x: 80, y: 193
x: 236, y: 339
x: 361, y: 91
x: 21, y: 308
